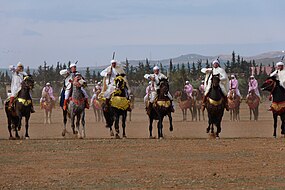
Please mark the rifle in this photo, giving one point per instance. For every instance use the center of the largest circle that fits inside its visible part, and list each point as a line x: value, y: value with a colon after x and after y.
x: 111, y: 69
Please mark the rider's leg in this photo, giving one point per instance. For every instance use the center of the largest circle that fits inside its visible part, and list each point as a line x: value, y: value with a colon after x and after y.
x: 66, y: 96
x: 11, y: 102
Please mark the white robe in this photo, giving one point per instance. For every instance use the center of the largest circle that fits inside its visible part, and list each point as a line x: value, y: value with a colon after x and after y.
x: 280, y: 75
x: 224, y: 83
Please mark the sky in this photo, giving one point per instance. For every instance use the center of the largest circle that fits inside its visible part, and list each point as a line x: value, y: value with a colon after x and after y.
x: 89, y: 31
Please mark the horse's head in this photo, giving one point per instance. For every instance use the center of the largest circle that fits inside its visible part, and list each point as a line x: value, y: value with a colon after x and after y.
x: 178, y: 94
x: 269, y: 84
x: 28, y: 82
x: 232, y: 94
x: 216, y: 80
x: 163, y: 86
x: 120, y: 82
x: 79, y: 81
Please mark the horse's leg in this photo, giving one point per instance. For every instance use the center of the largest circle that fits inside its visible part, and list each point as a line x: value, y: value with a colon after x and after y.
x: 161, y: 127
x: 83, y: 123
x: 64, y: 113
x: 191, y: 111
x: 49, y: 116
x: 212, y: 128
x: 117, y: 129
x: 150, y: 126
x: 250, y: 110
x: 274, y: 124
x: 209, y: 125
x: 257, y: 112
x: 170, y: 121
x: 79, y: 134
x: 124, y: 117
x: 27, y: 126
x: 219, y: 129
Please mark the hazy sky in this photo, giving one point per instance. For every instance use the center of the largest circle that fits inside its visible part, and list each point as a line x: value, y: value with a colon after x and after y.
x: 34, y: 31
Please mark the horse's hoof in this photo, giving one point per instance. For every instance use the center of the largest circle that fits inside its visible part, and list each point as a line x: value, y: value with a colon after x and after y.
x: 117, y: 136
x: 17, y: 137
x: 63, y: 132
x: 151, y: 137
x: 207, y: 130
x: 170, y: 128
x: 11, y: 138
x: 124, y: 136
x: 111, y: 133
x: 160, y: 138
x: 27, y: 138
x: 217, y: 138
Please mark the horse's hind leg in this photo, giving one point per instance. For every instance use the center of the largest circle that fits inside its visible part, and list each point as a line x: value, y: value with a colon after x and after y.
x: 83, y: 124
x: 27, y: 127
x: 170, y: 122
x: 79, y: 134
x: 117, y: 119
x: 64, y: 113
x: 274, y: 125
x: 150, y: 127
x: 124, y: 117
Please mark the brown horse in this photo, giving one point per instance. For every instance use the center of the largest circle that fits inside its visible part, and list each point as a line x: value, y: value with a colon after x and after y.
x: 184, y: 102
x: 47, y: 104
x: 253, y: 101
x: 234, y: 105
x: 197, y: 105
x: 97, y: 107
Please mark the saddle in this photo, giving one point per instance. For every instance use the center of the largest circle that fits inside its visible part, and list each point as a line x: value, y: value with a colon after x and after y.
x: 278, y: 108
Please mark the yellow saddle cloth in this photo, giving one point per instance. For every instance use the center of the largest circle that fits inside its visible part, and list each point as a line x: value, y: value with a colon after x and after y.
x: 214, y: 102
x: 278, y: 107
x: 163, y: 103
x: 120, y: 102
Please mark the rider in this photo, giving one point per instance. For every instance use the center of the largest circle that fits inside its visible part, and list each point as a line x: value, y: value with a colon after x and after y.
x: 188, y: 89
x: 149, y: 89
x: 201, y: 87
x: 96, y: 90
x: 109, y: 86
x: 48, y: 89
x: 156, y: 77
x: 223, y: 81
x: 279, y: 73
x: 253, y: 85
x: 234, y: 86
x: 68, y: 84
x: 18, y: 75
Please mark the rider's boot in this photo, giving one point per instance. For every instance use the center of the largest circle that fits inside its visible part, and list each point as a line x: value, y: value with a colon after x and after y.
x: 171, y: 106
x: 11, y: 102
x: 65, y: 105
x: 106, y: 108
x: 226, y: 103
x: 32, y: 108
x: 86, y: 103
x: 204, y: 103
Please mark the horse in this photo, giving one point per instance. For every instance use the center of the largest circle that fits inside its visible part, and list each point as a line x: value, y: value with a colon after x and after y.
x: 76, y: 108
x: 21, y: 108
x: 215, y: 106
x: 47, y: 104
x: 184, y: 102
x: 97, y: 107
x: 132, y: 105
x: 119, y: 105
x: 272, y: 85
x: 159, y: 108
x: 253, y: 101
x: 234, y: 105
x: 64, y: 112
x: 197, y: 105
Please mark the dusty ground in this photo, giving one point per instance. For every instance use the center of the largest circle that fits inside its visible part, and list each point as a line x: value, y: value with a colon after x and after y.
x: 246, y: 156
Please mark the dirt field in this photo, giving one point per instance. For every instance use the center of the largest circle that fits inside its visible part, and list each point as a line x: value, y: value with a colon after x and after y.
x: 246, y: 156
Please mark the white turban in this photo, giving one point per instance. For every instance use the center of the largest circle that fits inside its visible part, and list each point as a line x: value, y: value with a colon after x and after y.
x: 280, y: 64
x: 187, y: 82
x: 113, y: 61
x: 72, y: 65
x: 251, y: 76
x: 47, y: 84
x: 215, y: 61
x: 233, y: 76
x: 20, y: 64
x: 155, y: 68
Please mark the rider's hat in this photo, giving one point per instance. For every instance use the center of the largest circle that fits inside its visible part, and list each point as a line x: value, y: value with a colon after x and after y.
x: 113, y: 61
x: 233, y: 76
x: 252, y: 76
x: 20, y: 64
x: 72, y: 65
x: 155, y: 68
x: 280, y: 63
x: 186, y: 82
x: 216, y: 61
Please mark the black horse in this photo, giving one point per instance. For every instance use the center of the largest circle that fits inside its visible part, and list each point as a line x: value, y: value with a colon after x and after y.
x: 119, y: 104
x: 160, y: 108
x: 215, y: 106
x: 21, y: 108
x: 278, y: 102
